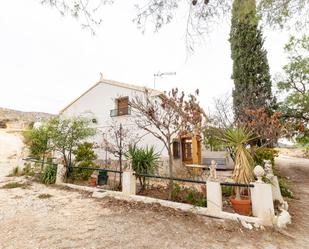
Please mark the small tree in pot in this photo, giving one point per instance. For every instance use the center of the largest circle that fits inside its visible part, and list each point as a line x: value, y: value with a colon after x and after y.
x: 238, y: 139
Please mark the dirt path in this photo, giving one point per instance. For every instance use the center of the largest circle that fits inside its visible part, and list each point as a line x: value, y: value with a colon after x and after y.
x: 71, y: 219
x: 297, y: 169
x: 11, y: 148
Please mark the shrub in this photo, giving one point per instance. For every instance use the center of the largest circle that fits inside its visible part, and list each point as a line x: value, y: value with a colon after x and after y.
x: 261, y: 154
x: 176, y: 191
x: 188, y: 195
x: 196, y: 198
x: 211, y: 140
x: 227, y: 190
x: 84, y: 157
x: 49, y: 174
x: 285, y: 188
x: 144, y: 161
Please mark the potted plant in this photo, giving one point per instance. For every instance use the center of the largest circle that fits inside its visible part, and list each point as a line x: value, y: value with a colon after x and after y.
x: 238, y: 140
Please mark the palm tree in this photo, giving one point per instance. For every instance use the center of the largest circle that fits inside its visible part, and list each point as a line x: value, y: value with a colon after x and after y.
x: 238, y: 139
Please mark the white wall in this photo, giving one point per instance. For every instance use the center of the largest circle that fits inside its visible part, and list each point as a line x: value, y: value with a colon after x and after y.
x: 99, y: 101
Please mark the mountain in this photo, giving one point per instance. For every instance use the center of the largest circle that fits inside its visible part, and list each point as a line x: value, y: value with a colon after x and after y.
x: 19, y: 120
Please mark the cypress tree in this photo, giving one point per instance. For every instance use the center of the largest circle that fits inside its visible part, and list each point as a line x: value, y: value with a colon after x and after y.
x: 252, y: 81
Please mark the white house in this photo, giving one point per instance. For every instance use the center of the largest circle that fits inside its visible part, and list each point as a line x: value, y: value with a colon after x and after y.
x: 107, y: 103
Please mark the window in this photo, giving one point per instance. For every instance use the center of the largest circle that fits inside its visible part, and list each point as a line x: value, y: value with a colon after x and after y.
x: 176, y: 149
x: 122, y: 103
x: 187, y: 150
x: 122, y: 107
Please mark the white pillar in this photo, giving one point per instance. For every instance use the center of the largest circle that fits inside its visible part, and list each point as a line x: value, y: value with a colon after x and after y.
x: 214, y: 197
x: 61, y: 172
x: 262, y: 202
x: 128, y: 183
x: 276, y: 189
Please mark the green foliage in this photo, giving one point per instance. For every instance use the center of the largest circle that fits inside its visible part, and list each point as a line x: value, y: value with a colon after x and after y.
x: 285, y: 188
x: 227, y: 190
x: 295, y: 86
x: 67, y: 134
x: 37, y: 141
x: 188, y: 195
x: 211, y: 141
x: 295, y: 82
x: 196, y: 198
x: 144, y: 161
x: 252, y: 81
x: 84, y: 157
x: 237, y: 139
x: 49, y: 174
x: 59, y: 134
x: 262, y: 153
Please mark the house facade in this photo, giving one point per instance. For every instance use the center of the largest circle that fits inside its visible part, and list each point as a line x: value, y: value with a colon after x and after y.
x: 107, y: 104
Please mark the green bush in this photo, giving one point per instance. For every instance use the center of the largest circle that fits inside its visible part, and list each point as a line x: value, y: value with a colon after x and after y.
x: 188, y: 195
x: 211, y: 139
x: 285, y: 188
x: 196, y: 198
x: 84, y: 157
x: 176, y: 191
x: 227, y: 190
x: 261, y: 154
x: 144, y: 161
x: 49, y: 174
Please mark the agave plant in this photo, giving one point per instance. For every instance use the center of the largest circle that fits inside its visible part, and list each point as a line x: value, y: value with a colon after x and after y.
x: 144, y: 161
x: 238, y: 139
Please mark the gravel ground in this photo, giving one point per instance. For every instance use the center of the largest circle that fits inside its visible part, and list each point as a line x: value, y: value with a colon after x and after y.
x: 70, y: 219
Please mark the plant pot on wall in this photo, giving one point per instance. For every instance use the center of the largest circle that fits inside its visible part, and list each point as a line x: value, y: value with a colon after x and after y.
x: 241, y: 206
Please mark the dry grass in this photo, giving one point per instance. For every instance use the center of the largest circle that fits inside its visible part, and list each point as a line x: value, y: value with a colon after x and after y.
x: 44, y: 196
x: 11, y: 185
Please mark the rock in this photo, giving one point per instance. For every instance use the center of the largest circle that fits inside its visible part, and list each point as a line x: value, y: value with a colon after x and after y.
x: 246, y: 224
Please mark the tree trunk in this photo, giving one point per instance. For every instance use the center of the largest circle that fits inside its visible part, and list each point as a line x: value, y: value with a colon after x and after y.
x: 170, y: 167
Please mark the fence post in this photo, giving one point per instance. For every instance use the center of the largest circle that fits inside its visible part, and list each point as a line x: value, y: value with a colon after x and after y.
x: 214, y: 197
x: 262, y: 198
x: 128, y: 182
x: 61, y: 172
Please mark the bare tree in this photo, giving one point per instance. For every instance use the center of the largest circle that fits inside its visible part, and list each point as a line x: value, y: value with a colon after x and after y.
x: 201, y: 15
x: 167, y: 116
x: 222, y: 115
x: 117, y: 139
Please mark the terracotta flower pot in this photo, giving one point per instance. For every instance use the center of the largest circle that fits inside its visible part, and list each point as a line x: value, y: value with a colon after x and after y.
x: 242, y: 206
x: 93, y: 181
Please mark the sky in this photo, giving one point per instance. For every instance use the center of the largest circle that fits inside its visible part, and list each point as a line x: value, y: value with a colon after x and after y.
x: 47, y: 60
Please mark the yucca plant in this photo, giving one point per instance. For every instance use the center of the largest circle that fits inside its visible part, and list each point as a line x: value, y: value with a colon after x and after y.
x: 144, y: 161
x: 238, y: 139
